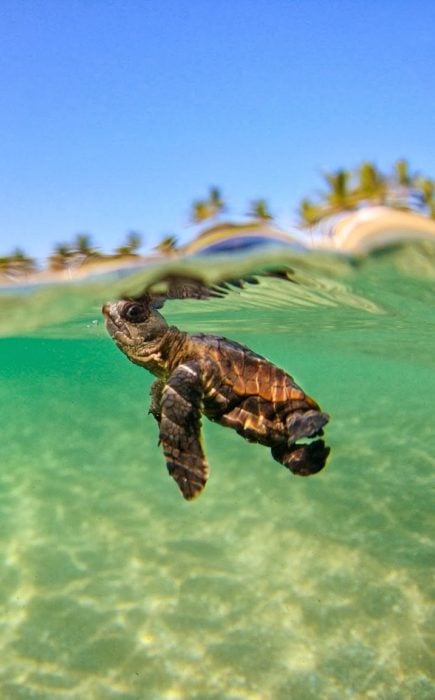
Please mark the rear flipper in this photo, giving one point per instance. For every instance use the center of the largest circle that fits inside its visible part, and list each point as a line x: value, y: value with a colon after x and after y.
x: 305, y: 424
x: 303, y: 459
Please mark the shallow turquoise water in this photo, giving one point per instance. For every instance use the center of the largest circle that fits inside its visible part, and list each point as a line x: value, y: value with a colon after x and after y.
x: 268, y: 585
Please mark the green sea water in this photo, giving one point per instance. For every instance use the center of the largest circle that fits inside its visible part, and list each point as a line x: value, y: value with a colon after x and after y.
x: 268, y: 586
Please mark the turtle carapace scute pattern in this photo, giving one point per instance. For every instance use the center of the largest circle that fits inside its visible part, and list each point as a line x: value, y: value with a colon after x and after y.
x: 222, y: 379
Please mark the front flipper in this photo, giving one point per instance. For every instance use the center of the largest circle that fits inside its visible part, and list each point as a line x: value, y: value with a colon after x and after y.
x: 156, y: 399
x: 180, y: 426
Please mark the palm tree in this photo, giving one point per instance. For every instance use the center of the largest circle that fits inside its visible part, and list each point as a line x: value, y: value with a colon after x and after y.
x: 131, y: 246
x: 17, y: 263
x: 216, y: 201
x: 83, y: 244
x: 200, y: 211
x: 340, y: 196
x: 84, y: 250
x: 310, y: 213
x: 426, y: 192
x: 203, y: 209
x: 259, y: 210
x: 402, y: 185
x: 372, y: 185
x: 167, y: 245
x: 402, y: 175
x: 4, y: 264
x: 61, y: 257
x: 426, y: 187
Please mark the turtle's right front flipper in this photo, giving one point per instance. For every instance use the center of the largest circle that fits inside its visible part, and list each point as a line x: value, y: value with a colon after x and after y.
x: 180, y: 427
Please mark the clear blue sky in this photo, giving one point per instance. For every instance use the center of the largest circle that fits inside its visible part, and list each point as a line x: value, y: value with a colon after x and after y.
x: 116, y: 114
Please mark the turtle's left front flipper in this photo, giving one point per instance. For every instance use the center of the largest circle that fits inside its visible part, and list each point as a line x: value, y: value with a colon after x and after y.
x: 180, y: 428
x: 156, y: 399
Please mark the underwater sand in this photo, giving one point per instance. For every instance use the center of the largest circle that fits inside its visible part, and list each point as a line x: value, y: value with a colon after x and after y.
x: 268, y: 586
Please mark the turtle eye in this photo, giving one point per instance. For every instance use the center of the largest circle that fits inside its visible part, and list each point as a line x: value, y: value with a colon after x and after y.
x: 135, y: 313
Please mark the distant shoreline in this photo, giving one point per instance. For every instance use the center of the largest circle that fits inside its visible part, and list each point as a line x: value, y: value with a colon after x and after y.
x: 358, y: 232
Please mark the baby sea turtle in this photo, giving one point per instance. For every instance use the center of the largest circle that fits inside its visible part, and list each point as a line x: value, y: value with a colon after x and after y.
x: 224, y: 380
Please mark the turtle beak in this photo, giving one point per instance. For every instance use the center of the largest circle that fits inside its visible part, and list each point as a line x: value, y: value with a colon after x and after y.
x: 110, y: 322
x: 116, y: 327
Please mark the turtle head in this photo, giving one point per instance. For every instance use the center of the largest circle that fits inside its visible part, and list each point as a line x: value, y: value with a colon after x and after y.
x: 135, y: 326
